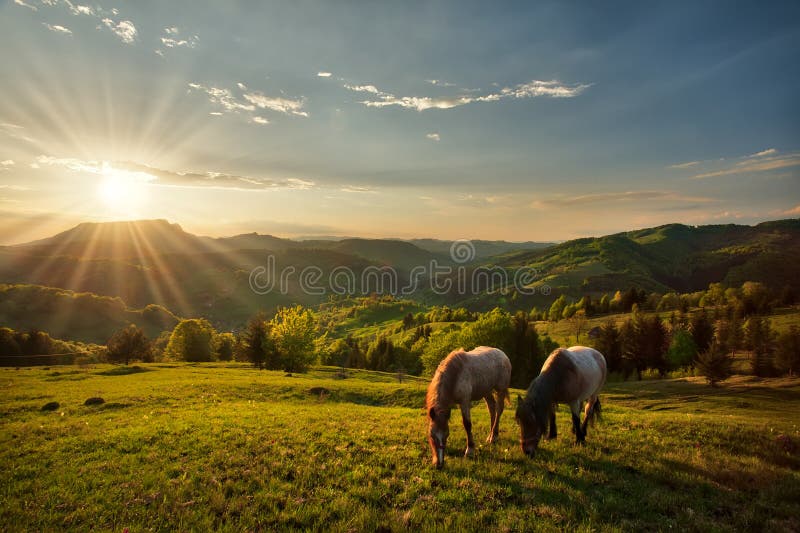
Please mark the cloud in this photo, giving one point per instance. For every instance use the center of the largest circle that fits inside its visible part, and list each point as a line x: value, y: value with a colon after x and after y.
x: 434, y: 136
x: 4, y: 165
x: 755, y: 164
x: 223, y: 97
x: 685, y: 165
x: 57, y: 29
x: 80, y: 10
x: 156, y: 176
x: 324, y: 74
x: 170, y: 39
x: 795, y: 211
x: 532, y: 89
x: 621, y: 196
x: 259, y: 120
x: 276, y: 103
x: 441, y: 83
x: 124, y: 29
x: 356, y: 189
x: 252, y: 101
x: 763, y: 153
x: 23, y: 4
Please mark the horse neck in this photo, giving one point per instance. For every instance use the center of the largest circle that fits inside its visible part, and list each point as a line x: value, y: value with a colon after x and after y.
x: 542, y: 388
x: 444, y: 387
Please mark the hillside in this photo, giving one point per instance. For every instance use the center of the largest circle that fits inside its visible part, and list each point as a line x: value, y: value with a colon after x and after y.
x: 157, y: 262
x: 76, y: 316
x: 672, y: 257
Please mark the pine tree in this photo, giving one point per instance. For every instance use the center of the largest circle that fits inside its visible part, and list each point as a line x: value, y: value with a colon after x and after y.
x: 715, y: 364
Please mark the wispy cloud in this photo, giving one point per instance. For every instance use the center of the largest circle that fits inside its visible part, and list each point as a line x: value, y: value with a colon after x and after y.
x: 763, y: 153
x: 622, y: 196
x: 259, y: 120
x: 24, y: 4
x: 15, y: 131
x: 223, y: 98
x: 276, y: 103
x: 172, y: 39
x: 434, y: 136
x: 753, y: 165
x: 324, y: 74
x: 57, y: 29
x: 685, y: 165
x: 156, y: 176
x: 251, y: 101
x: 441, y: 83
x: 532, y: 89
x: 794, y: 211
x: 123, y: 29
x: 356, y: 189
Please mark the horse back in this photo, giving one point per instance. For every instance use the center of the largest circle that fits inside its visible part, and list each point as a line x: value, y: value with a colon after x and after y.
x: 576, y: 373
x: 591, y: 366
x: 486, y: 369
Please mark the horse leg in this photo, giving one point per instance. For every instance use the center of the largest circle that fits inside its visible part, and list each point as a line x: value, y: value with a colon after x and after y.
x: 500, y: 403
x: 467, y: 420
x: 490, y: 403
x: 575, y: 408
x: 588, y: 413
x: 553, y: 432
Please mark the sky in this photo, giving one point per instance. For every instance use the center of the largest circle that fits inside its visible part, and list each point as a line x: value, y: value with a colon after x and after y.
x: 530, y: 121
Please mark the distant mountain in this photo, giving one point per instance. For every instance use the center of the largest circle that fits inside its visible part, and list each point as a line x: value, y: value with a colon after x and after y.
x: 156, y: 262
x: 119, y: 240
x: 672, y: 257
x: 483, y: 249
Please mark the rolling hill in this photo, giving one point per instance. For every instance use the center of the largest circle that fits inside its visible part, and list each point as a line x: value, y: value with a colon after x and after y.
x: 156, y: 262
x: 671, y: 257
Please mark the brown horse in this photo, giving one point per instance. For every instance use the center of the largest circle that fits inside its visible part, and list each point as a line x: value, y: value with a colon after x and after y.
x: 461, y: 378
x: 569, y: 376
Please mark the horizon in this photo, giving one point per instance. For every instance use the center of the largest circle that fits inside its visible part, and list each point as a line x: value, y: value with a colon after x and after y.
x: 302, y: 238
x: 543, y: 122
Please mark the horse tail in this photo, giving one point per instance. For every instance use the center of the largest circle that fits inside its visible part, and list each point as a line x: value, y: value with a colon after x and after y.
x: 597, y: 411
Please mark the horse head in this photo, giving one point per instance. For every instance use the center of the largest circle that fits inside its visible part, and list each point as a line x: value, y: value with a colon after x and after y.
x: 438, y: 431
x: 531, y: 428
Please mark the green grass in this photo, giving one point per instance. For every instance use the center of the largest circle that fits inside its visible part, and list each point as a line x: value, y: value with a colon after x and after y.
x: 216, y: 446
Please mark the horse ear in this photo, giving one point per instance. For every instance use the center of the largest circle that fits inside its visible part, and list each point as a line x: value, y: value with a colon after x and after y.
x: 432, y: 413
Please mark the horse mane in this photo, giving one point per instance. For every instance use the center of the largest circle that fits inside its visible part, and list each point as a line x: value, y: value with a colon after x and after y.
x: 440, y: 390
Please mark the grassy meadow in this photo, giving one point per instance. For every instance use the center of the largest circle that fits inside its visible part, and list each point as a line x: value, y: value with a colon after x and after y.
x: 224, y: 446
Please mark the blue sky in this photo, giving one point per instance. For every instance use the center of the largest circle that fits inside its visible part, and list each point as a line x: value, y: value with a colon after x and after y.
x: 534, y: 121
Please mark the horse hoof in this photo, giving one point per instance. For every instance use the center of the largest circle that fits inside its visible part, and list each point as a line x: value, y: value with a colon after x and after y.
x: 470, y: 452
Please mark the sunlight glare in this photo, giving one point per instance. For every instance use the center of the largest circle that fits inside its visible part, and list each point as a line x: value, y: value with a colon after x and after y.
x: 122, y: 191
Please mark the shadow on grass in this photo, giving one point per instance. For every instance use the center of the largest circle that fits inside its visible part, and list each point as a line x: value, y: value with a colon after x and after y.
x: 123, y: 371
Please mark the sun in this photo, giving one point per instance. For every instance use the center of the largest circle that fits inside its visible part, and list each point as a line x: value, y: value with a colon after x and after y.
x: 122, y: 191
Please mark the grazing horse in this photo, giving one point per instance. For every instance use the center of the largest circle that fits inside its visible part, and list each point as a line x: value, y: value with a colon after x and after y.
x: 461, y: 378
x: 570, y: 376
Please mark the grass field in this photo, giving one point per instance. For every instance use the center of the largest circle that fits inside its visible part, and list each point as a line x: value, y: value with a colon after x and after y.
x: 195, y: 447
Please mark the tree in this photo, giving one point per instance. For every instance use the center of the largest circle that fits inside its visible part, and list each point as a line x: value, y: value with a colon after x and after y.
x: 702, y: 331
x: 760, y: 339
x: 128, y: 344
x: 682, y: 349
x: 787, y: 356
x: 192, y: 340
x: 714, y: 364
x: 224, y: 344
x: 578, y: 323
x: 557, y: 309
x: 293, y: 332
x: 609, y: 344
x: 253, y: 341
x: 525, y: 354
